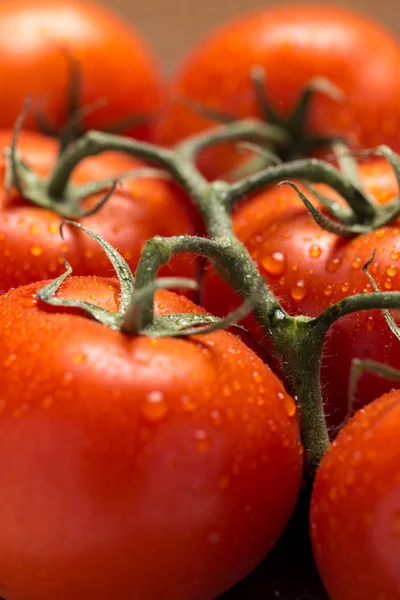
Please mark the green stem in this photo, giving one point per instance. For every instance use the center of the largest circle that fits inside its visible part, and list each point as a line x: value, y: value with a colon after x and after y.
x: 315, y: 171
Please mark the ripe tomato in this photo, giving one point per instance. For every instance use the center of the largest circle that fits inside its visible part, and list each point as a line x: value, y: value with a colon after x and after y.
x: 294, y: 43
x: 309, y: 269
x: 147, y: 468
x: 31, y: 248
x: 355, y: 510
x: 39, y: 38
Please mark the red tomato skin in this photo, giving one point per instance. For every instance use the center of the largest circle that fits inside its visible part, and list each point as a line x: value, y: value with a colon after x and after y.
x: 294, y: 43
x: 137, y: 467
x: 31, y: 248
x: 355, y: 508
x: 114, y: 61
x: 309, y: 269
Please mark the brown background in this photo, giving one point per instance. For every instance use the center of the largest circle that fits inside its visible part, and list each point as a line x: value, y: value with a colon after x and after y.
x: 172, y: 26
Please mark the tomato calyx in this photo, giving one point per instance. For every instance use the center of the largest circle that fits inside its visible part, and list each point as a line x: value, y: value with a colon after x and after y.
x: 288, y: 136
x: 76, y: 112
x: 360, y: 216
x: 295, y: 343
x: 135, y: 300
x: 67, y: 202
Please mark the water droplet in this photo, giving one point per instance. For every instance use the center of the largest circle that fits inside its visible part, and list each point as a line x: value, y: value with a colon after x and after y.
x: 189, y: 405
x: 356, y: 264
x: 333, y: 265
x: 295, y: 268
x: 154, y: 408
x: 394, y: 255
x: 53, y: 227
x: 274, y: 264
x: 298, y: 291
x: 380, y: 233
x: 202, y: 440
x: 34, y: 229
x: 88, y: 254
x: 272, y: 425
x: 315, y: 251
x: 67, y: 377
x: 392, y: 270
x: 257, y: 377
x: 79, y: 358
x: 226, y: 391
x: 289, y: 405
x: 345, y: 287
x: 328, y: 290
x: 388, y: 284
x: 161, y: 305
x: 36, y: 250
x: 216, y: 417
x: 47, y: 402
x: 93, y: 297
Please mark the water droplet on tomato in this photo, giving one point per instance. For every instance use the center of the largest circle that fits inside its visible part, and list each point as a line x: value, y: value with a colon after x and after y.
x: 226, y: 391
x: 216, y: 417
x: 315, y: 251
x: 356, y: 264
x: 328, y: 290
x: 388, y: 284
x: 36, y: 250
x: 34, y: 229
x: 394, y: 255
x: 289, y: 405
x: 392, y: 270
x: 79, y: 358
x: 298, y: 290
x: 202, y: 440
x: 333, y: 265
x: 274, y: 264
x: 47, y: 402
x: 257, y: 377
x: 345, y: 287
x: 53, y: 227
x: 189, y: 405
x: 154, y: 408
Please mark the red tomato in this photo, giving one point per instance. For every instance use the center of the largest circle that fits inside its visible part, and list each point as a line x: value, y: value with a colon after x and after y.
x: 355, y: 509
x: 137, y: 467
x: 31, y: 248
x: 294, y: 43
x: 309, y: 269
x: 114, y: 63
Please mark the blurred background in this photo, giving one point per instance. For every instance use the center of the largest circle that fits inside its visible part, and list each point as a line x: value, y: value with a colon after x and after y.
x: 172, y: 26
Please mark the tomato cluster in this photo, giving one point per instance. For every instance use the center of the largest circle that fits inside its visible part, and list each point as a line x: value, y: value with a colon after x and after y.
x: 151, y: 453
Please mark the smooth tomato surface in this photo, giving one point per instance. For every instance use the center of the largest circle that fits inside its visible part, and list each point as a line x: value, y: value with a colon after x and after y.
x: 355, y: 510
x: 294, y: 43
x: 115, y: 64
x: 135, y: 467
x: 309, y: 269
x: 31, y: 248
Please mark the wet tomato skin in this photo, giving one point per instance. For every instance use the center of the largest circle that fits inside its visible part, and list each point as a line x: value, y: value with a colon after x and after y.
x: 117, y: 71
x: 310, y: 269
x: 31, y: 248
x: 355, y: 508
x: 145, y: 467
x: 294, y: 43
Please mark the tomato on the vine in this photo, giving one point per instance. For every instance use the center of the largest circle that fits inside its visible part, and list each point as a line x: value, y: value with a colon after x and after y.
x: 41, y: 40
x: 310, y: 269
x: 355, y: 509
x: 294, y: 43
x: 139, y: 467
x: 31, y: 248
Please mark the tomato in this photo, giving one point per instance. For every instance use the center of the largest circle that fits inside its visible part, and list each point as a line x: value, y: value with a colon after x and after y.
x: 30, y: 244
x: 309, y: 269
x: 147, y: 468
x: 355, y: 510
x: 40, y: 39
x: 294, y: 43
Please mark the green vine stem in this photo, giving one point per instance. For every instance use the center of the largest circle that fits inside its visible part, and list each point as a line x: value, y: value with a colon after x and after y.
x: 296, y: 342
